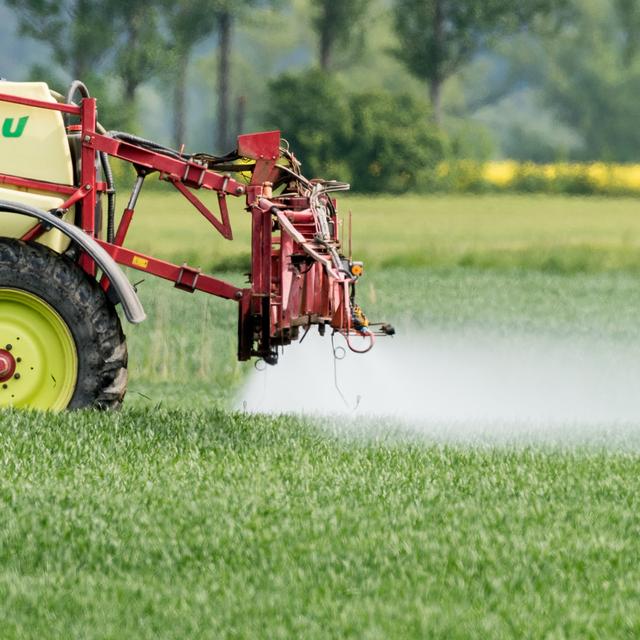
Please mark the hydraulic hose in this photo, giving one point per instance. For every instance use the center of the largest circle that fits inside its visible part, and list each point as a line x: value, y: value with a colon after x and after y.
x: 77, y: 86
x: 111, y: 189
x: 111, y: 195
x: 149, y: 144
x: 80, y: 87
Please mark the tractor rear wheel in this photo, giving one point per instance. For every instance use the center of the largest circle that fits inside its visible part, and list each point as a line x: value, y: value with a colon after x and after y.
x: 61, y: 342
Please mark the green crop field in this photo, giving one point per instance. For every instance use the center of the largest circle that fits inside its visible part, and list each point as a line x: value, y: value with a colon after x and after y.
x: 187, y: 524
x: 551, y: 233
x: 181, y: 518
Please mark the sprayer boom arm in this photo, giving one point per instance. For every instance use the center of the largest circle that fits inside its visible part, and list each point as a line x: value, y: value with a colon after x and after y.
x: 299, y: 276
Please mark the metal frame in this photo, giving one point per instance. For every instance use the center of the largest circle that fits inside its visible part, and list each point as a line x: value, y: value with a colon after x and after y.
x: 294, y: 282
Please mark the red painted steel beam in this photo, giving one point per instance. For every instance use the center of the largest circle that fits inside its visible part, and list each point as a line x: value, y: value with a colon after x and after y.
x: 88, y: 178
x: 34, y: 233
x: 41, y: 104
x: 197, y: 175
x: 170, y: 271
x: 40, y: 185
x: 223, y: 225
x: 78, y: 194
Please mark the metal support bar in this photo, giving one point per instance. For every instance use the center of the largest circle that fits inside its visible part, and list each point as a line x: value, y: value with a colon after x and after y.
x: 224, y: 225
x: 41, y: 104
x: 40, y: 185
x: 170, y: 271
x: 172, y: 168
x: 88, y: 177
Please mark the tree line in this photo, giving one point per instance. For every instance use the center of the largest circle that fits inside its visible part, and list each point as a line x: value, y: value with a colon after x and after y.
x: 384, y: 137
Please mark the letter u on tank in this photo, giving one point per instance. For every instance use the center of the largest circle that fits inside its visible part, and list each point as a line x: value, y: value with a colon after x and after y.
x: 8, y: 130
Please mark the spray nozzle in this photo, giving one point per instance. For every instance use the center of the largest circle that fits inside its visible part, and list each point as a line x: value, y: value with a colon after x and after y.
x: 388, y: 329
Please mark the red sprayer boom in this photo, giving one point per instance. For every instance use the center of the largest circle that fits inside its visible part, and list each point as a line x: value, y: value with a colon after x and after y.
x: 299, y: 276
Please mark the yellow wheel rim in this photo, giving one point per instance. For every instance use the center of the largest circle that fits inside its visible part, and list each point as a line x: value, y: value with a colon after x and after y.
x: 42, y: 352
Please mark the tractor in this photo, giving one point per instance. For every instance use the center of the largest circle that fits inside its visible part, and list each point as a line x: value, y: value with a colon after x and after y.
x: 62, y: 248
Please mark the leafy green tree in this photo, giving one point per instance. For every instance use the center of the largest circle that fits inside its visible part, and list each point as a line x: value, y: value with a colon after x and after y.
x: 138, y: 50
x: 381, y: 142
x: 90, y: 37
x: 393, y: 147
x: 592, y: 81
x: 437, y: 37
x: 78, y: 32
x: 227, y: 13
x: 336, y: 22
x: 312, y: 110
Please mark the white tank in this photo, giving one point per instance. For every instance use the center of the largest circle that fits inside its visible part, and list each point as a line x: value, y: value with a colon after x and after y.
x: 33, y: 144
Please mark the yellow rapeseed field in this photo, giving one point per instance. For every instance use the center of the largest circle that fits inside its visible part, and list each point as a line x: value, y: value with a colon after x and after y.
x: 596, y: 177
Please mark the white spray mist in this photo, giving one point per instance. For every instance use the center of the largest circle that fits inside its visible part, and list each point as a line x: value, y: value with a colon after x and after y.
x: 463, y: 383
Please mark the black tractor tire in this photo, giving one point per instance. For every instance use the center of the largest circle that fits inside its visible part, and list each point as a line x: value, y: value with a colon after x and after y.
x: 90, y: 317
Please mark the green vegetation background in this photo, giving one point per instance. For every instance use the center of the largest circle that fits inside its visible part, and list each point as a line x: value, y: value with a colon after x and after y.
x: 178, y: 517
x: 564, y: 88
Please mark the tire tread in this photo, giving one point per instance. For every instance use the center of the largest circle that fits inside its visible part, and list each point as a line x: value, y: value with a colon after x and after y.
x: 83, y: 305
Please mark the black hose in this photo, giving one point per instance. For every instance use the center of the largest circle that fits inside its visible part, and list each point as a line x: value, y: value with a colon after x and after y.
x: 149, y: 144
x: 111, y: 196
x: 77, y: 86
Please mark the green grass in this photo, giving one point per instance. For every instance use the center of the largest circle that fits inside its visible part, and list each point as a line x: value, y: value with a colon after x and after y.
x: 177, y: 518
x: 185, y: 352
x: 548, y: 233
x: 216, y: 525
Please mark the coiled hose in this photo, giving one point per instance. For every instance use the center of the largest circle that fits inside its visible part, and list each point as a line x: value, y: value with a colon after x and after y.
x: 111, y: 195
x: 77, y: 86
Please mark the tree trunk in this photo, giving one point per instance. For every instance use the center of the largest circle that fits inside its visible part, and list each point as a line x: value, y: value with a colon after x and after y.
x: 435, y: 79
x: 130, y: 88
x: 180, y: 100
x: 224, y: 64
x: 128, y: 69
x: 435, y: 96
x: 326, y: 40
x: 81, y: 15
x: 128, y: 108
x: 240, y: 114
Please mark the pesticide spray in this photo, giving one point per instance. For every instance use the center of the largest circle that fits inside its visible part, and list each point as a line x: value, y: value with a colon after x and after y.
x: 464, y: 386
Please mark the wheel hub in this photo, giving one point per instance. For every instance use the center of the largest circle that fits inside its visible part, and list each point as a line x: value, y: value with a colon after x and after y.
x: 38, y: 359
x: 7, y: 365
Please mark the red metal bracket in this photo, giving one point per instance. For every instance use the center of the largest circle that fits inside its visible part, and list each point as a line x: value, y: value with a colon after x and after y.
x: 34, y: 233
x: 264, y: 148
x: 79, y: 194
x: 260, y: 146
x: 188, y: 278
x: 194, y: 174
x: 224, y: 225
